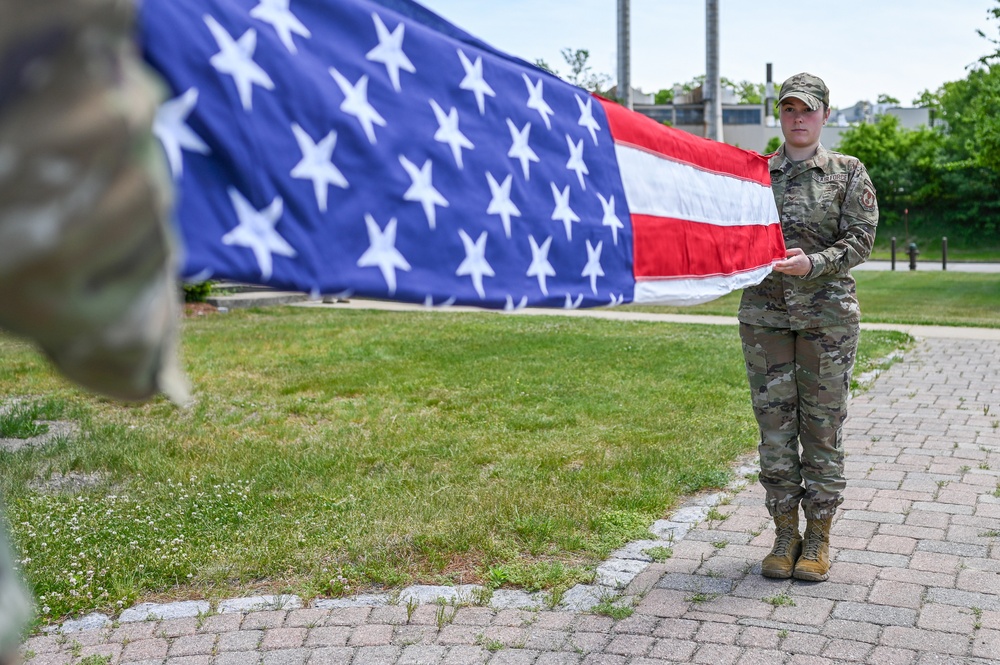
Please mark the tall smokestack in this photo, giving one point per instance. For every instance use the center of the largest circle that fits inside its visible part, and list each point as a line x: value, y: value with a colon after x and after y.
x: 624, y: 55
x: 712, y: 90
x: 769, y: 98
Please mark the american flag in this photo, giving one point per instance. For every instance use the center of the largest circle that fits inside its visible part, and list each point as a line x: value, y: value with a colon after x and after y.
x: 350, y: 147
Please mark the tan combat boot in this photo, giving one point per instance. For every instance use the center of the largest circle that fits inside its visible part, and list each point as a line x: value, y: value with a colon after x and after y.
x: 814, y: 564
x: 787, y: 545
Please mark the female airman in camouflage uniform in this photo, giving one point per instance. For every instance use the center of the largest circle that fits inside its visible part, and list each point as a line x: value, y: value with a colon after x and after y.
x: 800, y: 329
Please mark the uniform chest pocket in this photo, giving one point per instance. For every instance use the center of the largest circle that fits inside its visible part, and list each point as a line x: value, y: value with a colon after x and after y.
x: 778, y: 188
x: 828, y: 201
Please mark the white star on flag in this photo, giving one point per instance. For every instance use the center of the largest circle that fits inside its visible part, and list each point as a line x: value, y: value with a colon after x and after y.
x: 256, y: 231
x: 535, y: 100
x: 429, y: 302
x: 356, y: 103
x: 519, y: 148
x: 593, y: 268
x: 390, y: 51
x: 511, y: 307
x: 540, y: 266
x: 501, y: 204
x: 475, y: 265
x: 382, y: 252
x: 474, y: 81
x: 277, y: 13
x: 610, y: 218
x: 235, y: 58
x: 421, y: 189
x: 170, y: 126
x: 576, y: 162
x: 316, y: 165
x: 573, y: 304
x: 449, y: 133
x: 587, y: 117
x: 562, y: 210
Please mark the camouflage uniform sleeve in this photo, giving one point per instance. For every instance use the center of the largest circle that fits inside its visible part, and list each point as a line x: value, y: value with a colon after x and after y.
x: 15, y: 604
x: 858, y: 219
x: 86, y: 249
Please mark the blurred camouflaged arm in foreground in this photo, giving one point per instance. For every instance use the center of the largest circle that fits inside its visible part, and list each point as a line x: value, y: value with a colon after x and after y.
x: 86, y: 267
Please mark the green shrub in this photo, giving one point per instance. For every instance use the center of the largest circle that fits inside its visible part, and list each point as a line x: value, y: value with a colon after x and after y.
x: 198, y: 292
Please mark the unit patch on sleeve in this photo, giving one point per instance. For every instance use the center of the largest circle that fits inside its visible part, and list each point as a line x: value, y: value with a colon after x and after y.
x: 868, y: 201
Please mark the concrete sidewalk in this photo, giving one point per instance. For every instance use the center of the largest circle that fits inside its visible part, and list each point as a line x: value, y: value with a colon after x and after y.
x: 903, y: 265
x: 918, y: 331
x: 915, y: 580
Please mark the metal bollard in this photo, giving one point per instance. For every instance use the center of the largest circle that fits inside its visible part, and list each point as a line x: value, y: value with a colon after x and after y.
x: 944, y: 253
x: 894, y: 252
x: 913, y: 255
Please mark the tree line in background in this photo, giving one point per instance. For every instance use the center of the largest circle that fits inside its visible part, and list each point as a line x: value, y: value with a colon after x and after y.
x: 581, y: 74
x: 946, y: 176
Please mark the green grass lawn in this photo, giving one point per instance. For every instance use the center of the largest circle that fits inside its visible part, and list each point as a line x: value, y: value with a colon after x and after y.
x: 332, y: 451
x: 924, y: 298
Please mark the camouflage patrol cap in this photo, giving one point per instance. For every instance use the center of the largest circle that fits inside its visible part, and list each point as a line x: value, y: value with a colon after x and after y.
x: 807, y: 87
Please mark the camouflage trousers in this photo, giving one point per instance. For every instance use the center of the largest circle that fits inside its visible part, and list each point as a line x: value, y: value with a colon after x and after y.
x: 800, y: 388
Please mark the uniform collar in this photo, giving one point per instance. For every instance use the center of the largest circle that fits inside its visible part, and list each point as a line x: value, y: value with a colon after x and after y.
x: 780, y: 162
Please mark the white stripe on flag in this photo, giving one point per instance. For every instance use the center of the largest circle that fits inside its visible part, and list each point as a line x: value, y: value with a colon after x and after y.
x: 694, y: 291
x: 665, y: 188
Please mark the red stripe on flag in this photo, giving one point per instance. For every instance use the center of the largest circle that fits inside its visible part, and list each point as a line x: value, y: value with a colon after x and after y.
x: 667, y: 247
x: 645, y: 133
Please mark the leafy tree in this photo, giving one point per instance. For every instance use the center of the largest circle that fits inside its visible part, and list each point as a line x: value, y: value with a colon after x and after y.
x: 969, y: 108
x: 691, y: 85
x: 992, y: 57
x: 664, y: 96
x: 747, y: 92
x: 928, y: 172
x: 883, y: 147
x: 947, y: 176
x: 773, y: 144
x: 541, y: 64
x: 928, y: 99
x: 980, y: 101
x: 886, y: 99
x: 580, y: 72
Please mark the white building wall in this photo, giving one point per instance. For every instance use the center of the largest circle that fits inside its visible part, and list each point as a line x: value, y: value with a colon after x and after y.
x: 756, y: 137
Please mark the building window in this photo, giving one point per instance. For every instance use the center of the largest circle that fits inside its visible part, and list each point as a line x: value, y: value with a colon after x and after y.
x: 695, y: 114
x: 741, y: 116
x: 690, y: 115
x: 659, y: 114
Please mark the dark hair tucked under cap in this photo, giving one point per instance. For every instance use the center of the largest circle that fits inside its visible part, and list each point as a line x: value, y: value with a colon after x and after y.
x: 807, y: 87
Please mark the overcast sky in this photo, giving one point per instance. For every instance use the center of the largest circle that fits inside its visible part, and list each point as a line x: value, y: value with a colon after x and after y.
x: 860, y: 48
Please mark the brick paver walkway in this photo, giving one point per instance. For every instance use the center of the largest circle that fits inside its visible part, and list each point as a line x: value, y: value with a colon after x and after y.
x: 916, y: 578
